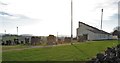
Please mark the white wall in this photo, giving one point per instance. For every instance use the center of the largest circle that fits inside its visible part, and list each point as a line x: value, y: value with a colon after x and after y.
x: 83, y: 29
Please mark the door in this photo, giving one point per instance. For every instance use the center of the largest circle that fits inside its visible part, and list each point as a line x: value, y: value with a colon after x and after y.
x: 85, y: 36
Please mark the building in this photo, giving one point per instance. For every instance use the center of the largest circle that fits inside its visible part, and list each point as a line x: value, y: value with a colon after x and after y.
x: 51, y: 40
x: 44, y: 39
x: 116, y: 34
x: 87, y: 32
x: 9, y: 39
x: 25, y: 39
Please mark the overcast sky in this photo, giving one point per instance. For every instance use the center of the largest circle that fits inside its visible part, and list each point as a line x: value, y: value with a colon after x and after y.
x: 44, y: 17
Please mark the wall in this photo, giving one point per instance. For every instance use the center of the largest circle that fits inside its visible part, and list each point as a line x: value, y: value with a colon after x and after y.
x: 83, y: 29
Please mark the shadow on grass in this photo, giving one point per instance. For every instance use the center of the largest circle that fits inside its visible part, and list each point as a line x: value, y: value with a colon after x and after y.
x: 81, y: 51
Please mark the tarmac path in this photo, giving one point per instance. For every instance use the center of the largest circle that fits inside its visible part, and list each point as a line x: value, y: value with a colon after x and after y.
x: 31, y: 47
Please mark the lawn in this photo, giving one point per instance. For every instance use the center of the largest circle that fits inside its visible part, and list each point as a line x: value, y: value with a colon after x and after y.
x: 77, y: 52
x: 14, y: 47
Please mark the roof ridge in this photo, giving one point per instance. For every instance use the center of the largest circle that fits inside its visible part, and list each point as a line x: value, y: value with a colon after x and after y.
x: 101, y: 31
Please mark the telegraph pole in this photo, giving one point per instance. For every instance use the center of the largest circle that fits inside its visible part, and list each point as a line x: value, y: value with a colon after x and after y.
x: 5, y: 31
x: 17, y: 30
x: 57, y: 37
x: 101, y: 17
x: 71, y: 20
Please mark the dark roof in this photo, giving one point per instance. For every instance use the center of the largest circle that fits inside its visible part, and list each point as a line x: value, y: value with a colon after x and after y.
x: 96, y: 30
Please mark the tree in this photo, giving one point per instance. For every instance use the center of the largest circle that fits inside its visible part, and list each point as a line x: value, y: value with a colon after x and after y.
x: 116, y: 31
x: 117, y: 28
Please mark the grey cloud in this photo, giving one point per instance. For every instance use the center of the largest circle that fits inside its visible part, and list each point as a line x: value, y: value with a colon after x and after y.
x: 18, y: 16
x: 114, y: 16
x: 22, y: 16
x: 4, y: 13
x: 115, y: 3
x: 12, y: 20
x: 112, y: 21
x: 3, y: 3
x: 107, y: 4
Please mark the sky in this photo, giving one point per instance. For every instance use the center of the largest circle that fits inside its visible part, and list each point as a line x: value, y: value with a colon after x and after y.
x: 44, y: 17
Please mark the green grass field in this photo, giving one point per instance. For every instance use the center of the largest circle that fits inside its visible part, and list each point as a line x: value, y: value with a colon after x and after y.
x: 77, y: 52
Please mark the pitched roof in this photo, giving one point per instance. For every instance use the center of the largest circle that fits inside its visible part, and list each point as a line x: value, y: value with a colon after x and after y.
x: 96, y: 30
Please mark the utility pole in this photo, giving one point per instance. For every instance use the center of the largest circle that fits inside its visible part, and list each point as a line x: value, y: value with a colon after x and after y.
x: 5, y: 31
x: 57, y: 37
x: 17, y: 30
x: 71, y: 20
x: 101, y: 17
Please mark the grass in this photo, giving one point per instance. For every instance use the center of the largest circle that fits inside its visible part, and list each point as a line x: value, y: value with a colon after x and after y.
x: 77, y: 52
x: 14, y: 47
